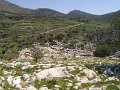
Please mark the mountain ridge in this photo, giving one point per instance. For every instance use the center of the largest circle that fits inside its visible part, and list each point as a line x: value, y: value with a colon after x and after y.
x: 6, y: 6
x: 47, y: 12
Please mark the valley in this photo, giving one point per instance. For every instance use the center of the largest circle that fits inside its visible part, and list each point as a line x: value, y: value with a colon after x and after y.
x: 44, y: 49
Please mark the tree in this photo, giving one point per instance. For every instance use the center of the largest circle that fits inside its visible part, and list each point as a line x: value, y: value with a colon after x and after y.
x: 37, y: 55
x: 116, y: 25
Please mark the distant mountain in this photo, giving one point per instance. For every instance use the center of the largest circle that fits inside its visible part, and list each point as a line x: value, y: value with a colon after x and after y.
x: 108, y: 17
x: 80, y: 14
x: 105, y: 18
x: 47, y: 12
x: 6, y: 6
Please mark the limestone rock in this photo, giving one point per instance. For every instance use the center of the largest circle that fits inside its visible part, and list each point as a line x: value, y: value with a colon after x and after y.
x: 17, y: 80
x: 89, y: 73
x: 10, y: 79
x: 53, y: 72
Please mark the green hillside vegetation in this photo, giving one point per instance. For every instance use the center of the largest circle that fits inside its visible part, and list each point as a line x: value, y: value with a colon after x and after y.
x: 17, y: 32
x: 21, y: 31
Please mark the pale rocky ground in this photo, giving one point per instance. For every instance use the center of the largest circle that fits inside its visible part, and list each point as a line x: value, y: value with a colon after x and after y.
x: 55, y: 73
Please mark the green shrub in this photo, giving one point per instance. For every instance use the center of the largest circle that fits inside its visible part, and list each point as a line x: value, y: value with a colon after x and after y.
x: 37, y: 55
x: 102, y: 51
x: 50, y: 83
x: 112, y: 87
x: 37, y: 84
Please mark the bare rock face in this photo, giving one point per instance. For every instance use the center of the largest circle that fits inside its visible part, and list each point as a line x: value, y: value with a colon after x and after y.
x: 53, y: 72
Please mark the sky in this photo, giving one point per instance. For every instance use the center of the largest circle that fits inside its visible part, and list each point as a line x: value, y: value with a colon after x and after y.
x: 91, y: 6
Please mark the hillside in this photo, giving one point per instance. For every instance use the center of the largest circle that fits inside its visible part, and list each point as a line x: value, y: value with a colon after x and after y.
x: 76, y: 14
x: 108, y: 17
x: 47, y: 12
x: 6, y: 6
x: 80, y: 14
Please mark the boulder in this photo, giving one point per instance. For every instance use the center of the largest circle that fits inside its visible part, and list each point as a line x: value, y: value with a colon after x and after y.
x: 17, y: 80
x: 26, y: 76
x: 25, y: 67
x: 89, y: 73
x: 10, y: 79
x: 53, y: 72
x: 84, y: 80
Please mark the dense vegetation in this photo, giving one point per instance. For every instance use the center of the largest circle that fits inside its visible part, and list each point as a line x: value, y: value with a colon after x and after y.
x: 20, y: 31
x: 17, y: 32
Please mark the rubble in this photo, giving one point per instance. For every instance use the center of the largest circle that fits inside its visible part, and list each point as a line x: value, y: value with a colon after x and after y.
x: 58, y: 69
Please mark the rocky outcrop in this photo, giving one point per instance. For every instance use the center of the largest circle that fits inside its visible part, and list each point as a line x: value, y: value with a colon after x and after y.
x: 25, y: 54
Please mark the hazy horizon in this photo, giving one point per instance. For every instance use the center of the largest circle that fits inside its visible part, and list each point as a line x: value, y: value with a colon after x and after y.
x: 93, y: 7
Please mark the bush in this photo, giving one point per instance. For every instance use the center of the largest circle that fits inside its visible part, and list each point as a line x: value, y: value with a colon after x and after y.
x: 50, y: 83
x: 37, y: 55
x: 102, y: 51
x: 112, y: 87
